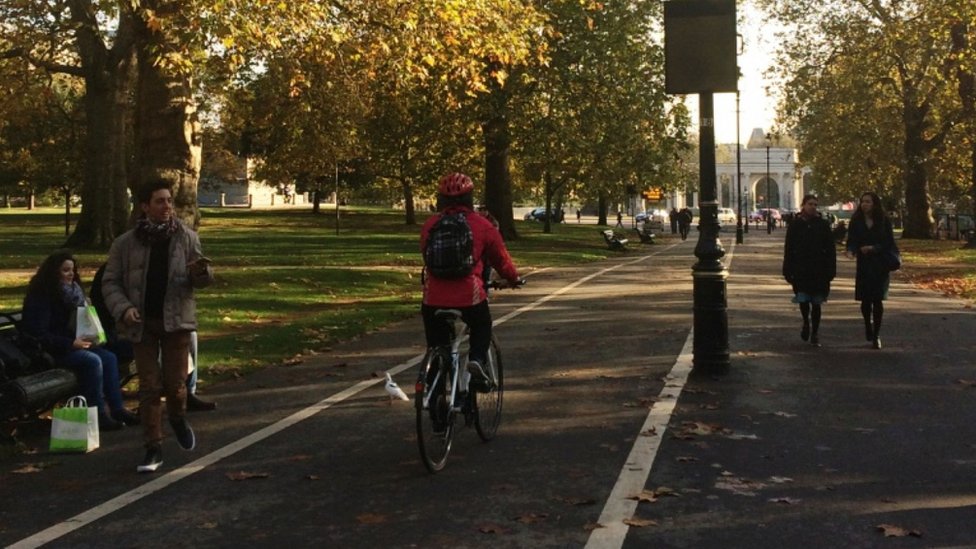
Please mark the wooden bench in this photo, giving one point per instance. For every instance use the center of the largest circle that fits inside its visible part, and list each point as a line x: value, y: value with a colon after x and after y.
x: 613, y: 241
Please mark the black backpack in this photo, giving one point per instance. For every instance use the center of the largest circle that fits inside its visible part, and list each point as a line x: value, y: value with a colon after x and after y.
x: 450, y: 247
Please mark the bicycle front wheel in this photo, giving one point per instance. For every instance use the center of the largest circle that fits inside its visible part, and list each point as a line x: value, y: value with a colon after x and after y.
x: 489, y: 404
x: 435, y: 420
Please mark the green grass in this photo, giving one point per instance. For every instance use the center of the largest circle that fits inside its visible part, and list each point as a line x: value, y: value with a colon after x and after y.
x: 941, y: 265
x: 286, y: 283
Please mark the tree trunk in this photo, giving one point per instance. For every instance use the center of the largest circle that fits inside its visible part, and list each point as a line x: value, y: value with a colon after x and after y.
x: 109, y: 76
x: 168, y: 136
x: 602, y: 209
x: 498, y: 178
x: 918, y: 215
x: 410, y: 214
x: 547, y: 226
x: 967, y: 94
x: 316, y: 202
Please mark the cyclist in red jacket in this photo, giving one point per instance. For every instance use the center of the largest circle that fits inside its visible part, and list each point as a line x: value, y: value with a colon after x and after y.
x: 466, y: 294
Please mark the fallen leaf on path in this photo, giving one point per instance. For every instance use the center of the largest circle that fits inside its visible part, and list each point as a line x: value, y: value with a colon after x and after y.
x: 295, y: 360
x: 892, y: 531
x: 370, y: 518
x: 590, y: 526
x: 696, y: 428
x: 646, y: 496
x: 652, y: 432
x: 531, y: 518
x: 27, y: 469
x: 578, y: 501
x: 245, y: 475
x: 492, y: 529
x: 967, y: 382
x: 639, y: 522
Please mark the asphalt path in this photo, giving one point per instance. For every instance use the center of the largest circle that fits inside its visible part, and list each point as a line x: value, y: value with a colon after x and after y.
x: 797, y: 446
x: 585, y: 351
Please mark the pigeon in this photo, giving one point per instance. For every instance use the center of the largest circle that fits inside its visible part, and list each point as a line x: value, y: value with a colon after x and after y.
x: 394, y: 390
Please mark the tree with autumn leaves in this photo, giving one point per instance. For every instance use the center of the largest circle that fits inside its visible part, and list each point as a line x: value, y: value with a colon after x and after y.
x: 406, y: 90
x: 880, y: 96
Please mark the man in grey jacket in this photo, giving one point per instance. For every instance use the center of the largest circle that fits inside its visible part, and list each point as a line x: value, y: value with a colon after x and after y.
x: 148, y: 286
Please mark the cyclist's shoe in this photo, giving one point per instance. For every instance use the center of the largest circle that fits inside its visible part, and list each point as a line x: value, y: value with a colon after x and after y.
x: 479, y: 379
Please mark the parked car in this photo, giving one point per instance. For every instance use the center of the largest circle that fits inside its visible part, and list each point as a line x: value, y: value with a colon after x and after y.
x: 726, y: 216
x: 760, y: 215
x: 539, y: 214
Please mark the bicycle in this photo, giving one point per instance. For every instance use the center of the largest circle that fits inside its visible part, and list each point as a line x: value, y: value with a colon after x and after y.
x: 441, y: 394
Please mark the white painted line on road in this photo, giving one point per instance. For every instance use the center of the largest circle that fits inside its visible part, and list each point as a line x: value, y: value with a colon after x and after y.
x: 637, y: 468
x: 87, y: 517
x: 633, y: 477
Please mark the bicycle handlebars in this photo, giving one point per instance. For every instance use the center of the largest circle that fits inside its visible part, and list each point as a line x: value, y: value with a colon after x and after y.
x: 503, y: 284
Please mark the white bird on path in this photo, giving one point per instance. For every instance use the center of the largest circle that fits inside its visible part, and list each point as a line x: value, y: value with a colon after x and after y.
x: 394, y: 390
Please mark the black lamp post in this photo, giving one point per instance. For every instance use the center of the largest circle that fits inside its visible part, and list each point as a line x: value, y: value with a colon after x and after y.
x: 700, y: 58
x: 769, y: 197
x: 738, y: 176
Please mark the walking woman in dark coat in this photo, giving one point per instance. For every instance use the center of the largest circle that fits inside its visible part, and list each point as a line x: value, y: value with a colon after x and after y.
x: 809, y: 264
x: 870, y: 239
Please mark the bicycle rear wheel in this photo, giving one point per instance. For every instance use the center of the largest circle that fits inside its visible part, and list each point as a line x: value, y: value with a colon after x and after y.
x: 488, y: 406
x: 435, y: 420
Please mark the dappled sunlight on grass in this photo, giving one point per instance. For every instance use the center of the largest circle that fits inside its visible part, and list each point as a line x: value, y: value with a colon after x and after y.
x: 286, y: 281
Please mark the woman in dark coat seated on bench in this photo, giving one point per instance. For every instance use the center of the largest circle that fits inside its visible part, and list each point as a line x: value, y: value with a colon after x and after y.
x: 53, y: 296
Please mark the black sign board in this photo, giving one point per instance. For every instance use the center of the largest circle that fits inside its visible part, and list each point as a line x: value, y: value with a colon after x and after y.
x: 700, y: 46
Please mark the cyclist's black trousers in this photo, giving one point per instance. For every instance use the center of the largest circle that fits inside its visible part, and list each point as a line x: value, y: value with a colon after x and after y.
x: 478, y: 319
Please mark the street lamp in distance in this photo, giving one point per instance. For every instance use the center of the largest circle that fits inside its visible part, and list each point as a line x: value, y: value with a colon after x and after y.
x: 738, y: 176
x: 769, y: 213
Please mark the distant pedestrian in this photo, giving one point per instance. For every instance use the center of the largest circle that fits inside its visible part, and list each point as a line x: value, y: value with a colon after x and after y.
x: 685, y: 218
x: 620, y: 220
x: 870, y: 239
x: 809, y: 264
x: 579, y: 215
x: 673, y: 218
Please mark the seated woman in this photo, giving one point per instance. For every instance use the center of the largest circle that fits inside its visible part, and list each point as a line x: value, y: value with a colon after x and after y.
x: 53, y: 296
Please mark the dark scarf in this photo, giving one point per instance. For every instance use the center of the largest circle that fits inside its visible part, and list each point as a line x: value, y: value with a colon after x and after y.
x: 150, y: 233
x: 72, y: 295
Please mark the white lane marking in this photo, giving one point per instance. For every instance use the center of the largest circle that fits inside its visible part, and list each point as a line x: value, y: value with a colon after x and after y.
x: 86, y: 517
x: 637, y: 468
x: 633, y: 477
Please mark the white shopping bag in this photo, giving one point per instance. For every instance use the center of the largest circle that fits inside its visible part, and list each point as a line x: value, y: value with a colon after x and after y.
x: 74, y: 427
x: 87, y: 325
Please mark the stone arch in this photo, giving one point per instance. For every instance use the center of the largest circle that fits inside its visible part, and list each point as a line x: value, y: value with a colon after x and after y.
x: 760, y: 189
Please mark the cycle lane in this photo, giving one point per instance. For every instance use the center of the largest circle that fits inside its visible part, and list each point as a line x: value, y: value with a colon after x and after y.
x: 608, y: 343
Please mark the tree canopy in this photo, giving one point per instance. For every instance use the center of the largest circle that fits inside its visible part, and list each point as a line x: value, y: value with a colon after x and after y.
x: 874, y: 95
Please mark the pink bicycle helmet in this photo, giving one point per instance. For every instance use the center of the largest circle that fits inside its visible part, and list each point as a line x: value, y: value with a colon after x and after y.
x: 455, y: 184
